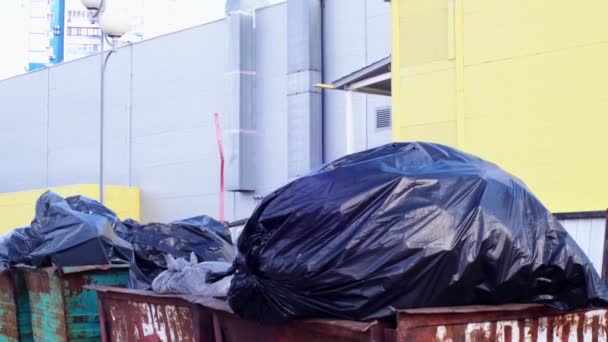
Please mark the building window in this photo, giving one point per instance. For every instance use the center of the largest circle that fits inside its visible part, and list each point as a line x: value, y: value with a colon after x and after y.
x: 84, y: 31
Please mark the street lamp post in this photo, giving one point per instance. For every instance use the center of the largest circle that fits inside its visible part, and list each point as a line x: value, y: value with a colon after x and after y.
x: 112, y: 25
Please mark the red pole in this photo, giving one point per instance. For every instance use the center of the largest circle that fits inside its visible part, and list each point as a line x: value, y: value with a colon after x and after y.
x: 218, y: 134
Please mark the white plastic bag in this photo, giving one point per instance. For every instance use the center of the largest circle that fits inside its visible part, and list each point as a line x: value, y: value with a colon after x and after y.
x: 188, y: 277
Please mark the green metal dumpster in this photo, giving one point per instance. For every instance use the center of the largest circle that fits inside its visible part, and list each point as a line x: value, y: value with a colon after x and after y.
x: 62, y: 309
x: 15, y: 322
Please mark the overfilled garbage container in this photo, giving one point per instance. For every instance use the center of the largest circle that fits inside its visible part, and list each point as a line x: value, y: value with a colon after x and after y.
x: 15, y: 322
x: 62, y: 309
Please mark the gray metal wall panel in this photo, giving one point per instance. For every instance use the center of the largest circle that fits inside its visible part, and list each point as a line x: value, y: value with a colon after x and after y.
x: 344, y: 37
x: 177, y: 86
x: 378, y: 35
x: 355, y: 36
x: 117, y: 118
x: 23, y: 103
x: 167, y: 209
x: 378, y: 30
x: 271, y: 101
x: 74, y: 123
x: 343, y: 53
x: 589, y: 235
x: 177, y: 80
x: 23, y: 158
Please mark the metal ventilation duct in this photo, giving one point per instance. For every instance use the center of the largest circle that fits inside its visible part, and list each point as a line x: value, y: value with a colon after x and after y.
x: 239, y: 121
x: 304, y: 101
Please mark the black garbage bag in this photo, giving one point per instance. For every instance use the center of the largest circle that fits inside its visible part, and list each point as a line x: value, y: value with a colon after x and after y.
x: 65, y: 233
x: 90, y: 206
x: 19, y: 244
x: 405, y: 226
x: 206, y: 237
x: 208, y: 223
x: 4, y: 261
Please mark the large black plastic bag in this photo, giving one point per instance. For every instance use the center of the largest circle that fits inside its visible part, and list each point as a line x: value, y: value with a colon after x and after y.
x: 404, y: 226
x: 63, y: 235
x: 206, y: 237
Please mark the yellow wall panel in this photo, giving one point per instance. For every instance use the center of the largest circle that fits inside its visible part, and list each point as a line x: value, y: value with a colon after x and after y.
x: 425, y: 33
x: 528, y: 89
x: 427, y: 85
x: 507, y: 29
x: 438, y: 132
x: 420, y: 8
x: 431, y: 96
x: 17, y: 209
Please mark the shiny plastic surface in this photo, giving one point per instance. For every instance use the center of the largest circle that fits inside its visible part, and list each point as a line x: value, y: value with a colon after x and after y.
x: 206, y: 237
x: 405, y: 226
x: 69, y: 232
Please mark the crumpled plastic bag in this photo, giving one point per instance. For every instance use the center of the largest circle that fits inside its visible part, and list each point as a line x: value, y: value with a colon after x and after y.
x: 207, y: 238
x: 188, y: 277
x: 75, y: 231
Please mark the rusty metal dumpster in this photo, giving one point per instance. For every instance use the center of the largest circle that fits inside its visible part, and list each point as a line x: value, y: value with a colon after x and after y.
x: 231, y: 328
x: 132, y: 315
x: 501, y: 323
x: 62, y: 309
x: 15, y: 323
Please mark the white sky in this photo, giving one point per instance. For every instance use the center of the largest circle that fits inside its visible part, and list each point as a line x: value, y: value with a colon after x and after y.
x: 160, y: 17
x: 13, y: 38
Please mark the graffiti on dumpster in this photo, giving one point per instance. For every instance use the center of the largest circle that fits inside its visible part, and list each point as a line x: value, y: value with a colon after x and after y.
x: 581, y: 326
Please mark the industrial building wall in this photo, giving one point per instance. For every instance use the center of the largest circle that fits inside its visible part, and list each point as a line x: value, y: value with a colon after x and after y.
x: 356, y: 33
x: 159, y: 130
x: 589, y: 236
x: 520, y: 83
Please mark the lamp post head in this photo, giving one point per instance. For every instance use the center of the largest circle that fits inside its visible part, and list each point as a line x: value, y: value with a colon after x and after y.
x: 115, y: 24
x: 93, y: 5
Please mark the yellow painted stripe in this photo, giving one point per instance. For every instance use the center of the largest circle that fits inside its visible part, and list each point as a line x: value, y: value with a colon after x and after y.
x: 17, y: 209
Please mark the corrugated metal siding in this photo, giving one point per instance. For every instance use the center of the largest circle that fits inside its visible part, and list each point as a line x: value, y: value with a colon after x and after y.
x: 589, y: 235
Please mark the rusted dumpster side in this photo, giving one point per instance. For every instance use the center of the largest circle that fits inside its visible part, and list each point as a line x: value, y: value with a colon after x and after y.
x: 501, y: 323
x: 62, y: 309
x: 15, y: 323
x: 230, y: 327
x: 133, y: 315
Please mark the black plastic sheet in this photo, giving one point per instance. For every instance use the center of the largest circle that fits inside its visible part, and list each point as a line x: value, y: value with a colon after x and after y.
x: 206, y: 237
x: 65, y: 232
x: 404, y: 226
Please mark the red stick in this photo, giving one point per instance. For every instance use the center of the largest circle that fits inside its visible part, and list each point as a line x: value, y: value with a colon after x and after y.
x: 218, y: 134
